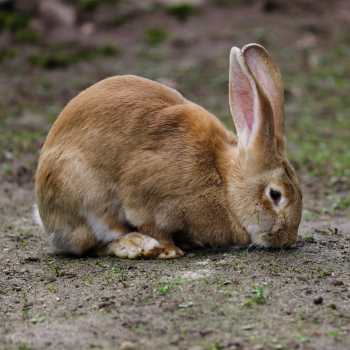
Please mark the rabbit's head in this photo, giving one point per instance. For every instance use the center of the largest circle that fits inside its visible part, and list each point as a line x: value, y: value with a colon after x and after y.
x: 263, y: 188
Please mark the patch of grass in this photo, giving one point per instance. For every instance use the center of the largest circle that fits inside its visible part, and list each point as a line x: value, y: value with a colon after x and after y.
x: 321, y: 115
x: 182, y: 11
x: 258, y: 297
x: 23, y: 236
x: 334, y: 334
x: 38, y: 319
x: 27, y: 36
x: 227, y: 3
x: 13, y: 21
x: 91, y: 5
x: 154, y: 56
x: 52, y: 288
x: 303, y: 339
x: 165, y: 287
x: 24, y: 346
x: 7, y: 169
x: 101, y: 263
x: 115, y: 274
x: 88, y: 280
x: 26, y: 306
x: 156, y: 36
x: 54, y: 267
x: 7, y: 54
x: 309, y: 238
x: 215, y: 346
x: 88, y: 5
x: 309, y: 215
x: 323, y: 273
x: 340, y: 202
x: 63, y: 57
x: 139, y: 328
x: 18, y: 141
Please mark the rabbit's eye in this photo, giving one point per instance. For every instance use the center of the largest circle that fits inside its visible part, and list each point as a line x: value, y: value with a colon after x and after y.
x: 275, y: 195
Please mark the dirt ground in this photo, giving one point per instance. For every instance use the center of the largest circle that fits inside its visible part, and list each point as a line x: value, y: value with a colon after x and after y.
x: 208, y: 300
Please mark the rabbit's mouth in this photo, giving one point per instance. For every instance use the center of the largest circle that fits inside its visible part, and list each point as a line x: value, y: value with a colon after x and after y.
x: 260, y: 235
x: 261, y: 240
x: 274, y: 239
x: 268, y: 237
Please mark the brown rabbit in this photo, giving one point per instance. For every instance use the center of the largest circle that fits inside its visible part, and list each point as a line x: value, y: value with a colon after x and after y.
x: 130, y: 167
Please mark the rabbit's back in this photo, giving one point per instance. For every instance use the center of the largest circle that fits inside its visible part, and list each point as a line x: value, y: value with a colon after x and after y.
x: 112, y: 102
x: 123, y: 122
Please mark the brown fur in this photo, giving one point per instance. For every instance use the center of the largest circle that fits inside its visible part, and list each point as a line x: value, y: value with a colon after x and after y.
x: 138, y: 155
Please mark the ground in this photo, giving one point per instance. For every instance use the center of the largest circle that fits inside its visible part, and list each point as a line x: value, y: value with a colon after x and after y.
x: 210, y: 300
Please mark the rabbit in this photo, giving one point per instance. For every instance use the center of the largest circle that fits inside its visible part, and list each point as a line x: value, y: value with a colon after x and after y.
x: 133, y: 169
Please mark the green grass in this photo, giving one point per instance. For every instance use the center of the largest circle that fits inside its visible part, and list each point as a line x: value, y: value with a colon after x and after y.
x: 7, y: 54
x: 24, y: 346
x: 156, y: 36
x: 27, y: 36
x: 165, y: 287
x: 62, y: 57
x: 13, y: 21
x: 92, y: 5
x: 258, y: 297
x: 320, y: 130
x: 115, y: 274
x: 182, y: 11
x: 214, y: 346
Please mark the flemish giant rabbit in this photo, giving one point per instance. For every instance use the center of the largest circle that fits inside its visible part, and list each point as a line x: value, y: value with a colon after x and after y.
x: 130, y: 168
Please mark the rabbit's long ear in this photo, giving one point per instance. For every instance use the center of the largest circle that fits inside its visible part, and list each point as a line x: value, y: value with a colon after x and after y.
x: 268, y: 76
x: 250, y: 108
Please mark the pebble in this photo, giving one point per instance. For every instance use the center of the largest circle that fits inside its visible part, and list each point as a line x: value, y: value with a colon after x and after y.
x: 337, y: 283
x: 318, y: 301
x: 127, y: 345
x: 333, y: 306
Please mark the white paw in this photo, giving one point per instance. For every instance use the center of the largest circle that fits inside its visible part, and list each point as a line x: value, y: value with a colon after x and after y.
x: 134, y: 245
x: 127, y: 251
x: 149, y: 244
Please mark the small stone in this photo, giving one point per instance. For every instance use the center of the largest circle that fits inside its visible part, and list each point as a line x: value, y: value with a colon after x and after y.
x: 127, y: 345
x: 197, y: 347
x: 248, y: 327
x: 337, y: 283
x: 258, y: 347
x: 318, y: 301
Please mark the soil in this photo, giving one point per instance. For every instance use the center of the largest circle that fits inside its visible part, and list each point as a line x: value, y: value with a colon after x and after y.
x: 210, y: 299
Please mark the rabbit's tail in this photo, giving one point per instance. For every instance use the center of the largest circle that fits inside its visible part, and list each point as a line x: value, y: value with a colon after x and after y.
x: 36, y: 216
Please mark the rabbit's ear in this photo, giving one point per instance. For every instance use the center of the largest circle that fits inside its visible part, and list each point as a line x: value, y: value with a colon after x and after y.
x: 267, y: 74
x: 250, y: 108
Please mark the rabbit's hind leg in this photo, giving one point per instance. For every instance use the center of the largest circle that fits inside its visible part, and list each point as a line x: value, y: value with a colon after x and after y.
x: 132, y: 245
x: 77, y: 242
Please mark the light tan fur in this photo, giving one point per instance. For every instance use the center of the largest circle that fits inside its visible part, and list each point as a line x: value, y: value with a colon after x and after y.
x: 131, y: 155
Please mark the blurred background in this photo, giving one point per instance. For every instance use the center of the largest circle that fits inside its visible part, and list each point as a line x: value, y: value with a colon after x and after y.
x: 52, y: 49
